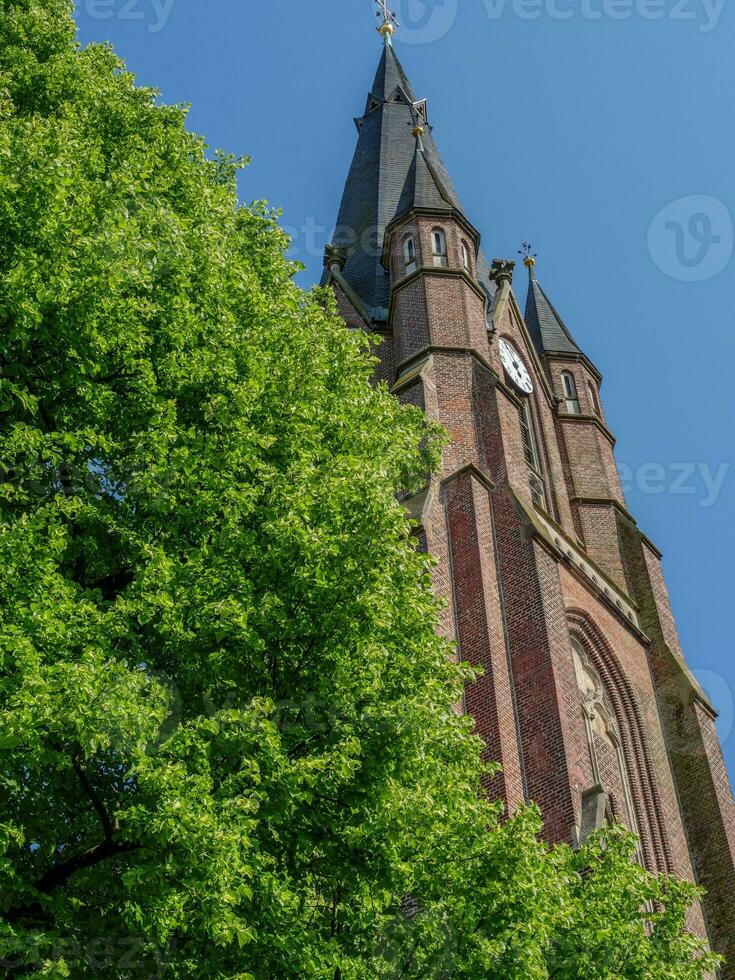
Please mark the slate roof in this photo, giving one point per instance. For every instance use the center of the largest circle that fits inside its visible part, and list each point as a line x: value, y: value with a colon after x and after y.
x: 390, y: 75
x: 548, y: 331
x: 422, y: 188
x: 390, y: 174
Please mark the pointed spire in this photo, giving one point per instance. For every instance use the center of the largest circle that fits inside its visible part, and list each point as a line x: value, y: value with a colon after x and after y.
x: 548, y: 331
x: 390, y: 78
x: 396, y: 168
x: 423, y: 189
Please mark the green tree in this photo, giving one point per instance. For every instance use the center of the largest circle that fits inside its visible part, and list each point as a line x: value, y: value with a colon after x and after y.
x: 228, y: 746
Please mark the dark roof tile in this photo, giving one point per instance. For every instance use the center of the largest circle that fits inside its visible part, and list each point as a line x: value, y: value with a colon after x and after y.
x: 389, y: 176
x: 547, y: 329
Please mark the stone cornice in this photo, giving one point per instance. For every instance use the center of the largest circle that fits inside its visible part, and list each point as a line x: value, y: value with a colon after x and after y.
x: 560, y: 546
x: 576, y: 358
x: 412, y: 374
x: 405, y: 371
x: 468, y: 469
x: 430, y: 270
x: 434, y: 349
x: 606, y: 501
x: 697, y: 694
x: 644, y: 537
x: 449, y: 212
x: 419, y: 504
x: 650, y: 544
x: 594, y: 419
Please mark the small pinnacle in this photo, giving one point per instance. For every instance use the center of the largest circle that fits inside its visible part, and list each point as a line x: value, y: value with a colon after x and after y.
x: 501, y: 271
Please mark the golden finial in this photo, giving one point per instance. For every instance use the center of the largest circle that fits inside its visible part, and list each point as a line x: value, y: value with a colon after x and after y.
x: 388, y: 28
x: 530, y: 257
x: 418, y: 132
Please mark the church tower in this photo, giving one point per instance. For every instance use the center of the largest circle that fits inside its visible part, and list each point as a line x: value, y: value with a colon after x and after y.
x: 549, y: 584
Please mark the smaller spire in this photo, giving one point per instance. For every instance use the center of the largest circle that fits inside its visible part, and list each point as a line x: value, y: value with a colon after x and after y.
x: 418, y: 130
x: 529, y: 259
x: 547, y: 329
x: 423, y: 188
x: 389, y: 22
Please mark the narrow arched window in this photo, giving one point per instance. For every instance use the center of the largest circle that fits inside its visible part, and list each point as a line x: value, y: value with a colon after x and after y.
x: 465, y: 256
x: 533, y: 459
x: 409, y: 254
x: 439, y: 248
x: 571, y: 395
x: 594, y: 399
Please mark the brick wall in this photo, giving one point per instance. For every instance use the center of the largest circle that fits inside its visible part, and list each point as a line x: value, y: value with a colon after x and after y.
x: 480, y: 629
x: 691, y: 739
x: 514, y: 600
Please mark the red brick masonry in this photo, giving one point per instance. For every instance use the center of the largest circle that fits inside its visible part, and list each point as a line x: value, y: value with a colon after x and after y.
x: 586, y: 689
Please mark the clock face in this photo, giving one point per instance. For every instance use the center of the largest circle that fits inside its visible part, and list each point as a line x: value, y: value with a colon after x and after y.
x: 515, y: 367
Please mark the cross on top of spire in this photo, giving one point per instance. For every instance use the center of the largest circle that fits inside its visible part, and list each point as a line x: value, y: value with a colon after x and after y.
x: 389, y: 21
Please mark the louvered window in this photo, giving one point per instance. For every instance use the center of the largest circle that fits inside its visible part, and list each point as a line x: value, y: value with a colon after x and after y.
x: 530, y: 450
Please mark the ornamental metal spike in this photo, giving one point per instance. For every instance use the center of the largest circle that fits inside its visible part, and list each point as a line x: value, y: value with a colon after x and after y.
x: 529, y: 259
x: 389, y: 21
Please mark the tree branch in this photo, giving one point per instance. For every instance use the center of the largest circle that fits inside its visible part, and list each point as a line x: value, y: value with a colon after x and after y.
x: 95, y: 855
x: 60, y: 874
x: 94, y: 797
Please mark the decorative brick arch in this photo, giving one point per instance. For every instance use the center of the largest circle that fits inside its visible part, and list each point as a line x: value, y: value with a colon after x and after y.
x: 637, y: 754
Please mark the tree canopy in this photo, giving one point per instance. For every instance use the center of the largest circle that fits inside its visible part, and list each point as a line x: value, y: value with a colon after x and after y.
x: 228, y: 737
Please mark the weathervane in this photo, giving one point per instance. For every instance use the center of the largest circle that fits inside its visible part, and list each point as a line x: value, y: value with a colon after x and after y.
x: 530, y: 257
x: 390, y: 21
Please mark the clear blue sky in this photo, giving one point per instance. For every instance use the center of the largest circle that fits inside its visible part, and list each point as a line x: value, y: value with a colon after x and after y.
x: 572, y: 123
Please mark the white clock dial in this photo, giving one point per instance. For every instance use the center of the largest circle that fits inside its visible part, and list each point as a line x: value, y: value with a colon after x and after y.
x: 513, y: 364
